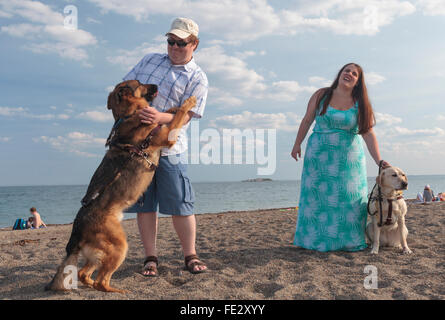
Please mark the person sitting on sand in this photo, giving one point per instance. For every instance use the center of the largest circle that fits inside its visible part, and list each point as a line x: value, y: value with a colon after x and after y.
x: 428, y: 194
x: 419, y: 198
x: 37, y: 221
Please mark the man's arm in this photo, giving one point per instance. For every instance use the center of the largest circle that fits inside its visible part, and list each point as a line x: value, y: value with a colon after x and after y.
x: 150, y: 115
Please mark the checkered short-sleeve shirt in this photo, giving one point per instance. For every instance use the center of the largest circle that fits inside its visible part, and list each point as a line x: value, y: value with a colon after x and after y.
x: 175, y: 84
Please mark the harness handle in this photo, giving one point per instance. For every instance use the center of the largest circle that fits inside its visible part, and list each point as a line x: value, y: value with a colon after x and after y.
x: 380, y: 195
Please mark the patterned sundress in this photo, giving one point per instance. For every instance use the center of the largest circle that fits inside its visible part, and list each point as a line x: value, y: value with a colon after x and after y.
x: 332, y: 209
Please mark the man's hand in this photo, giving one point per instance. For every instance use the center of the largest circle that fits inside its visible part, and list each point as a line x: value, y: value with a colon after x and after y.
x: 149, y: 115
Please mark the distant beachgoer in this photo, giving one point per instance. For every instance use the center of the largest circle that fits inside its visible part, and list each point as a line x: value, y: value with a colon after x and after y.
x: 37, y: 221
x: 419, y: 198
x: 428, y: 194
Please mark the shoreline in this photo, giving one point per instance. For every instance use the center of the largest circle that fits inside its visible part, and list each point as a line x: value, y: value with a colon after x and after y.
x: 2, y: 229
x: 160, y: 217
x: 250, y: 256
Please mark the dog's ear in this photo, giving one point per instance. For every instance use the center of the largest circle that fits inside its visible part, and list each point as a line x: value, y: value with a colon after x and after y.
x: 110, y: 101
x: 112, y: 98
x: 379, y: 179
x: 152, y: 92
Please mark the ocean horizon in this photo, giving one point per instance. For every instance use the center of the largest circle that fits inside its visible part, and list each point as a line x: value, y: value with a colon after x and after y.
x: 58, y: 204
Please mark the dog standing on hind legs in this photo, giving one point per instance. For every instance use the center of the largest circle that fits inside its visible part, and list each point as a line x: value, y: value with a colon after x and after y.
x: 123, y: 175
x: 391, y: 230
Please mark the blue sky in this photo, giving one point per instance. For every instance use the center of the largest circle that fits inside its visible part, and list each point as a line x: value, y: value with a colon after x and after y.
x: 263, y: 60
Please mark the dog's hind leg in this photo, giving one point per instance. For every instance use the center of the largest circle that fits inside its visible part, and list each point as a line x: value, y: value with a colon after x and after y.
x: 86, y: 272
x: 58, y: 283
x: 111, y: 261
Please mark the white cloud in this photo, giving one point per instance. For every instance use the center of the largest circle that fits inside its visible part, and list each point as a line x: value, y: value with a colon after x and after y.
x: 232, y: 70
x: 432, y: 7
x: 281, y: 121
x: 223, y: 97
x: 127, y: 59
x: 372, y: 78
x: 320, y: 81
x: 389, y: 126
x: 418, y: 133
x: 358, y: 17
x: 235, y: 81
x: 24, y: 113
x: 5, y: 139
x: 385, y: 119
x: 246, y: 54
x: 251, y: 19
x: 92, y: 20
x: 97, y: 116
x: 75, y: 142
x: 287, y: 90
x: 45, y: 30
x: 63, y: 116
x: 22, y: 30
x: 11, y: 112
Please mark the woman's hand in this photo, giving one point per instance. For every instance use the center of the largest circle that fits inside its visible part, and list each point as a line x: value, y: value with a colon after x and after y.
x: 385, y: 164
x: 296, y: 152
x: 149, y: 115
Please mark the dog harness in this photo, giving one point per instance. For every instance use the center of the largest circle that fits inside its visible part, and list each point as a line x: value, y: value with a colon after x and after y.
x: 380, y: 199
x: 132, y: 149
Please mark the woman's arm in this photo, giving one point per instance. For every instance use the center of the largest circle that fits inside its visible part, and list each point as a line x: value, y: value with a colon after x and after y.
x: 305, y: 124
x: 373, y: 147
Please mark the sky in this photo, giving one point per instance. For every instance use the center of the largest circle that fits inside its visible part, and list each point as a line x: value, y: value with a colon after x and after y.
x: 263, y: 59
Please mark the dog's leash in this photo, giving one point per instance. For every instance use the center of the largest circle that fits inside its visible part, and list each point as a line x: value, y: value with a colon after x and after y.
x: 379, y: 197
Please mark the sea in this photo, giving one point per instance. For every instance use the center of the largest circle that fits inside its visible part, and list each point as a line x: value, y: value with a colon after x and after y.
x: 59, y: 204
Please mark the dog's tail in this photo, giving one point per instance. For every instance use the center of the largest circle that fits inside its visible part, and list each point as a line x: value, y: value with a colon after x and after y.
x: 66, y: 275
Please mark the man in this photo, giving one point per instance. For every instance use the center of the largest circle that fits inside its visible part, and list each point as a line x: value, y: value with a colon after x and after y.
x: 37, y: 221
x: 178, y: 77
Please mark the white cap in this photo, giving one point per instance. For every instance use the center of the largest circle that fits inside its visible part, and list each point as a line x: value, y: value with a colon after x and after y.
x: 183, y: 27
x: 427, y: 186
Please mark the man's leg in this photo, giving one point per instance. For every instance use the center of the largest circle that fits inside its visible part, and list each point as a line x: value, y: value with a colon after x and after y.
x: 148, y: 227
x: 185, y: 227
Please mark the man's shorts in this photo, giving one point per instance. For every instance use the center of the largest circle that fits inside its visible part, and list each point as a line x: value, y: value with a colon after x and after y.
x: 170, y: 189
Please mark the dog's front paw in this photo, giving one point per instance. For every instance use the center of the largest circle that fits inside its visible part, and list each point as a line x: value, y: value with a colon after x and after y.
x: 189, y: 103
x: 375, y: 251
x: 407, y: 251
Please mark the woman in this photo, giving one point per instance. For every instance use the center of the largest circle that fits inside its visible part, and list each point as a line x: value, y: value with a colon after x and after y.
x: 332, y: 210
x: 428, y: 194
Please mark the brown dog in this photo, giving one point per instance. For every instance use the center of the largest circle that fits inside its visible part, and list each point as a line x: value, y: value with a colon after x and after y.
x: 124, y: 174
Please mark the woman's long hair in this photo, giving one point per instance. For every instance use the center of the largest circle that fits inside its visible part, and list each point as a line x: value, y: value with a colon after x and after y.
x: 366, y: 118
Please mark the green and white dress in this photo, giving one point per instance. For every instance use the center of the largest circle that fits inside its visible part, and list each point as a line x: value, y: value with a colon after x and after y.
x: 332, y: 210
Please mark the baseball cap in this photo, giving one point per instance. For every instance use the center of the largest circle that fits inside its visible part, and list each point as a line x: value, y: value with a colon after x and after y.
x: 183, y: 27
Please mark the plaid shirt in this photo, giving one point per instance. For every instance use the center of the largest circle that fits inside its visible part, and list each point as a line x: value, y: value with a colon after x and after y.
x: 175, y: 84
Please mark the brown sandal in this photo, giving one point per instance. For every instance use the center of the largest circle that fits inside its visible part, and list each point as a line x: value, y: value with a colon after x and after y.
x: 150, y: 268
x: 190, y: 267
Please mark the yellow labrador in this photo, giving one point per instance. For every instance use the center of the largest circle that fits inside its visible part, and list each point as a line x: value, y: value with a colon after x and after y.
x: 388, y: 227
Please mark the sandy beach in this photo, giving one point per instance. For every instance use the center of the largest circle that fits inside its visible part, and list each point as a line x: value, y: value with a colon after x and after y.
x: 250, y: 256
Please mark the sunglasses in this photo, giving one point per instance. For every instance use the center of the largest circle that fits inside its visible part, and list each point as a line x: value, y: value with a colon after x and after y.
x: 179, y: 43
